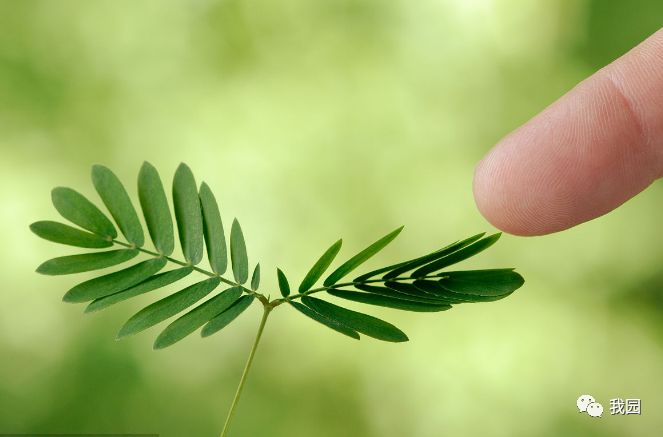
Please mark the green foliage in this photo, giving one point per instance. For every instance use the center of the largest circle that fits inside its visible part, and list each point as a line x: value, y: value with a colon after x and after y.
x: 77, y: 209
x: 189, y: 218
x: 356, y: 321
x: 155, y: 209
x: 86, y: 262
x: 215, y: 238
x: 168, y: 307
x: 225, y: 317
x: 284, y: 286
x: 240, y: 260
x: 255, y: 278
x: 117, y: 201
x: 420, y: 284
x: 65, y: 234
x: 320, y: 267
x: 360, y: 258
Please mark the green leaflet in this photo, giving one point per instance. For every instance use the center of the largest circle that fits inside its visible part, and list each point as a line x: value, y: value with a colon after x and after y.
x: 434, y: 288
x: 366, y: 276
x: 330, y: 323
x: 77, y: 209
x: 215, y: 238
x: 418, y: 262
x: 320, y: 267
x: 226, y: 317
x: 197, y: 317
x: 389, y: 302
x: 439, y: 290
x: 167, y: 307
x: 117, y: 201
x: 457, y: 256
x: 65, y: 234
x: 155, y: 282
x: 255, y: 278
x: 114, y: 282
x: 187, y: 214
x: 369, y: 325
x: 284, y: 286
x: 360, y: 258
x: 410, y: 289
x: 397, y: 294
x: 496, y: 282
x: 238, y: 256
x: 155, y: 209
x: 86, y: 262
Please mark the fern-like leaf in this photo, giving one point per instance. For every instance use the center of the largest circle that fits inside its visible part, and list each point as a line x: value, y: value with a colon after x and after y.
x: 198, y: 223
x: 421, y: 284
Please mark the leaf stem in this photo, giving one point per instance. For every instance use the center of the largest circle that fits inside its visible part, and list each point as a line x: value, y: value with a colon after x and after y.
x: 198, y: 269
x: 265, y: 299
x: 231, y: 412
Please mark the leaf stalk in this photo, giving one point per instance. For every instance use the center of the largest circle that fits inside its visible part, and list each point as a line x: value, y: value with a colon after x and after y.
x: 226, y: 427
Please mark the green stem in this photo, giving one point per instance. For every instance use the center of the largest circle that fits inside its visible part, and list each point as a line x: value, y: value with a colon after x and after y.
x: 249, y: 361
x: 198, y: 269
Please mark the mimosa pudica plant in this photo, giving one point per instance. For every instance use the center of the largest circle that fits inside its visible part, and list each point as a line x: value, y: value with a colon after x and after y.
x: 422, y: 284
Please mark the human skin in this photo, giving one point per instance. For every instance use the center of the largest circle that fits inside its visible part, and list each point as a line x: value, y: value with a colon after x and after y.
x: 583, y: 156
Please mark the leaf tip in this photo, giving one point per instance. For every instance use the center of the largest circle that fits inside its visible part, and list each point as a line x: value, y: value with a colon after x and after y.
x: 69, y: 297
x: 160, y: 344
x: 90, y: 309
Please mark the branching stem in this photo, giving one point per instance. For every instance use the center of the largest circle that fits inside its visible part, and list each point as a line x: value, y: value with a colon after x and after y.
x: 268, y: 306
x: 249, y: 361
x: 265, y: 300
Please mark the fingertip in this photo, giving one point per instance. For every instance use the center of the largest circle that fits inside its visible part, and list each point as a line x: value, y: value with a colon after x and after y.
x: 499, y: 195
x: 585, y: 155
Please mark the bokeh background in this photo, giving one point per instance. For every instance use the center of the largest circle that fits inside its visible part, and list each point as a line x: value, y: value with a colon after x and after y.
x: 311, y: 121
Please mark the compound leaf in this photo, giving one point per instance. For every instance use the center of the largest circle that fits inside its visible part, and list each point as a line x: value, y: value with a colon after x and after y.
x: 186, y: 203
x: 330, y: 323
x: 86, y: 262
x: 320, y: 267
x: 114, y: 282
x: 369, y: 325
x: 77, y: 209
x: 197, y: 317
x: 154, y: 203
x: 226, y: 317
x: 168, y: 307
x: 65, y: 234
x: 215, y: 238
x: 154, y: 282
x: 360, y: 258
x: 117, y: 201
x: 239, y: 258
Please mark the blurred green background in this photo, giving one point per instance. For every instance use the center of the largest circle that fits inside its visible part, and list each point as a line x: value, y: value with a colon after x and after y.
x: 310, y: 121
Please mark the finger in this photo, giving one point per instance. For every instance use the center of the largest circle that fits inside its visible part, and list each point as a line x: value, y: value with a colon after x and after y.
x: 586, y: 154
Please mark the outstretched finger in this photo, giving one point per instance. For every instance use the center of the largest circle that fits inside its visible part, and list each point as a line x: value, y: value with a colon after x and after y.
x: 586, y: 154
